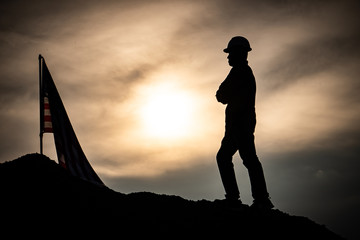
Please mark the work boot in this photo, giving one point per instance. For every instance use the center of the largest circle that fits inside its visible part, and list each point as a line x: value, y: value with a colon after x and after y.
x: 262, y: 204
x: 228, y: 202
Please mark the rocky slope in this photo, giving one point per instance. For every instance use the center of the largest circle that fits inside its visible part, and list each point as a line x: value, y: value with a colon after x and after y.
x: 40, y: 199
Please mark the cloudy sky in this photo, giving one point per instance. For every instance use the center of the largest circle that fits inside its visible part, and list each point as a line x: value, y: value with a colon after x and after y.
x: 138, y: 80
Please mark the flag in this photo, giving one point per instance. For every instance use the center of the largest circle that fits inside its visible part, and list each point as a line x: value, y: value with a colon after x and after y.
x: 54, y: 119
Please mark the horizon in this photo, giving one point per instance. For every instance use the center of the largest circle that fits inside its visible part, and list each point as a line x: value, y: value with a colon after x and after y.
x: 117, y: 63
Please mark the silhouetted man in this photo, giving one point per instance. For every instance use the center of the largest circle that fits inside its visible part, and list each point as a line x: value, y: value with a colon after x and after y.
x: 238, y: 92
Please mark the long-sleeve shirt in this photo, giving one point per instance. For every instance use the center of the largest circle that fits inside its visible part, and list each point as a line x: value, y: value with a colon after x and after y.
x: 238, y: 91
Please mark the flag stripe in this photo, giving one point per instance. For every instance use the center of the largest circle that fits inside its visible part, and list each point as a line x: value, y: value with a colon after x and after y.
x: 47, y: 116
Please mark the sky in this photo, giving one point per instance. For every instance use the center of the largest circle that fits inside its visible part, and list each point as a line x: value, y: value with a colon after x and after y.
x: 138, y: 80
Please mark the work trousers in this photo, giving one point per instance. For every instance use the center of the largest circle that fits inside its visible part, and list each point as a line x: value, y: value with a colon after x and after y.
x: 244, y: 143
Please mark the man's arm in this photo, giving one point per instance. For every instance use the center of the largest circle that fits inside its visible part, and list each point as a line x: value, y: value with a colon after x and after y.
x: 221, y: 97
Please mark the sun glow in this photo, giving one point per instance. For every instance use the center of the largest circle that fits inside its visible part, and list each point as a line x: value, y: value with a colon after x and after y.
x: 167, y: 112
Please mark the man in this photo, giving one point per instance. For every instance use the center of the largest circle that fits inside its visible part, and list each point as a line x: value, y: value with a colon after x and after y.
x: 238, y: 92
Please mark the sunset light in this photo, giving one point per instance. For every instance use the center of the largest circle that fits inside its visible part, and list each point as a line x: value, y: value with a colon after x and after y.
x: 167, y: 112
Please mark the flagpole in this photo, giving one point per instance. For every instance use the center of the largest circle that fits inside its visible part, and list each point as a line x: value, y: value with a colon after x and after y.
x: 41, y: 105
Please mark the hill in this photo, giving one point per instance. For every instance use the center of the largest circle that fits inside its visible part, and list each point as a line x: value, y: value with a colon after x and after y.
x: 40, y: 199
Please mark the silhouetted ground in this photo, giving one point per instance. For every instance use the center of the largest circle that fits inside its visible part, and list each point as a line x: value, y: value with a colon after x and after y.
x: 40, y: 199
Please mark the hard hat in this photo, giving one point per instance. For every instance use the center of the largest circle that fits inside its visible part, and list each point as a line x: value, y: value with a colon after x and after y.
x: 238, y: 42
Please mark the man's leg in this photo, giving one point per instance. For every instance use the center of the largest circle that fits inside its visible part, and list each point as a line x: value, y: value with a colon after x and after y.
x: 251, y: 162
x: 226, y: 168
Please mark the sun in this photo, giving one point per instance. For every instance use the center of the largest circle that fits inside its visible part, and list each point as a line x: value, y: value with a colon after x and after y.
x: 167, y: 112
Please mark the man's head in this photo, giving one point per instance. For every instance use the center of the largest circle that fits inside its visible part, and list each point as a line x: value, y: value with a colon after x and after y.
x: 238, y: 48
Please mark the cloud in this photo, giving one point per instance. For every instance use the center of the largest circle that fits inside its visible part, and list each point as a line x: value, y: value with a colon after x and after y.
x: 306, y: 59
x: 100, y: 54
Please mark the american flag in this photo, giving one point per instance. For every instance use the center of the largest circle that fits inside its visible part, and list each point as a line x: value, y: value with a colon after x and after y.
x: 54, y: 119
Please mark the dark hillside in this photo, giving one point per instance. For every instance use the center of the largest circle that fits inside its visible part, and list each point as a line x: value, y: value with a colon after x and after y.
x: 40, y: 199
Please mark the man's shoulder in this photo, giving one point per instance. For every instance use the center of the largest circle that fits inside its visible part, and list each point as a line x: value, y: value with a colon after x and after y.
x: 241, y: 70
